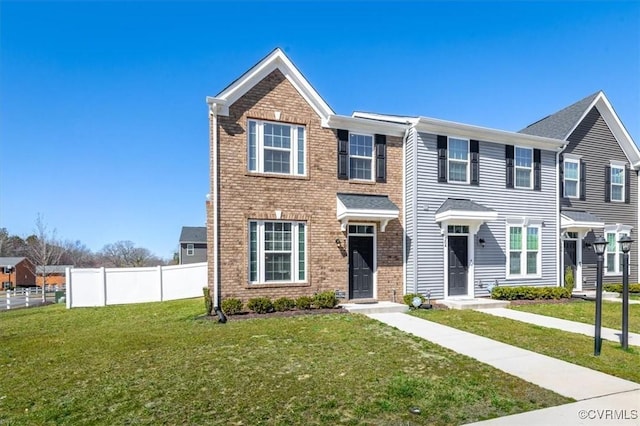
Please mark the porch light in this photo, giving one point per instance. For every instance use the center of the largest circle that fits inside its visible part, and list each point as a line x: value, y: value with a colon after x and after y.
x: 625, y: 243
x: 599, y: 246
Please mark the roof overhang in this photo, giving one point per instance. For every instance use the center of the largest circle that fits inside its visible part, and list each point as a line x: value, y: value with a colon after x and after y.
x: 435, y: 126
x: 466, y: 217
x: 609, y: 115
x: 349, y: 214
x: 274, y: 60
x: 364, y: 125
x: 569, y: 224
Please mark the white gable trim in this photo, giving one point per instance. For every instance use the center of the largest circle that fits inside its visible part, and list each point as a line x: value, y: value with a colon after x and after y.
x: 275, y: 60
x: 615, y: 125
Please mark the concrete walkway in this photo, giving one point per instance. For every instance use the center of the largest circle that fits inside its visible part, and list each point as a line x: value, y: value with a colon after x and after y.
x: 561, y: 324
x: 593, y: 390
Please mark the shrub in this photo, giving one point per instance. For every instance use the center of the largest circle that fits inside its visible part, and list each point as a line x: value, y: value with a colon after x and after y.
x: 284, y: 304
x: 569, y: 279
x: 304, y: 302
x: 529, y: 293
x: 208, y: 302
x: 232, y: 306
x: 326, y: 299
x: 408, y: 298
x: 617, y: 288
x: 260, y: 305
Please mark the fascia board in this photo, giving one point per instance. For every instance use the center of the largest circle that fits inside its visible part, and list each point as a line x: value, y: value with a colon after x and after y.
x: 354, y: 214
x: 364, y: 125
x: 465, y: 215
x: 435, y: 126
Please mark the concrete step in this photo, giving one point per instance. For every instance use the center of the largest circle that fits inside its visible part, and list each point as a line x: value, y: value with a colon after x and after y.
x: 474, y: 303
x: 375, y: 308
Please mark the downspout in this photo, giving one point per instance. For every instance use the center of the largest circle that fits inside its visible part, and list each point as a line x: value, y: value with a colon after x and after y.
x: 414, y: 237
x: 559, y: 244
x: 213, y: 111
x: 404, y: 213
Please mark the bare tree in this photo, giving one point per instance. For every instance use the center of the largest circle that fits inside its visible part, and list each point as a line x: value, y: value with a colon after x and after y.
x: 43, y: 249
x: 124, y: 254
x: 77, y: 254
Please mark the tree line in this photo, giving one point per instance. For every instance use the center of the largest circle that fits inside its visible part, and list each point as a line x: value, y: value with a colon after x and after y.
x: 44, y: 248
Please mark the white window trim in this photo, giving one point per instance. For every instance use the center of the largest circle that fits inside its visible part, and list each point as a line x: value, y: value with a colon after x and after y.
x: 190, y: 249
x: 577, y: 180
x: 295, y: 256
x: 293, y: 149
x: 624, y: 179
x: 371, y: 158
x: 619, y: 230
x: 516, y: 167
x: 467, y: 161
x: 524, y: 225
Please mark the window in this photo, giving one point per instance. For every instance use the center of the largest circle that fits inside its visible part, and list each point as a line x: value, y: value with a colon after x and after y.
x: 458, y: 229
x: 360, y: 156
x: 361, y: 229
x: 617, y: 183
x: 277, y: 252
x: 276, y: 148
x: 523, y: 167
x: 613, y: 258
x: 524, y: 251
x: 190, y: 250
x: 458, y: 161
x: 571, y: 178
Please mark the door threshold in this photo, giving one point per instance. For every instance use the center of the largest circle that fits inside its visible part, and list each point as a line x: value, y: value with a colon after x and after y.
x: 363, y: 301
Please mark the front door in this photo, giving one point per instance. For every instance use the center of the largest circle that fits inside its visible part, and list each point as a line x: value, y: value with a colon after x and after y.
x: 458, y: 265
x: 360, y: 267
x: 571, y: 258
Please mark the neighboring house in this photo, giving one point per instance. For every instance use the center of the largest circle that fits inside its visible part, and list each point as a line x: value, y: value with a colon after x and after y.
x: 22, y: 272
x: 598, y: 186
x: 193, y: 245
x: 303, y: 200
x: 480, y: 208
x: 56, y: 274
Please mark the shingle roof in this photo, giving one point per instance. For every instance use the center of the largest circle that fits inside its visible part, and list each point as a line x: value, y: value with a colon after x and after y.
x: 462, y: 204
x: 581, y: 216
x: 367, y: 202
x: 193, y: 234
x: 11, y: 261
x: 53, y: 269
x: 559, y: 124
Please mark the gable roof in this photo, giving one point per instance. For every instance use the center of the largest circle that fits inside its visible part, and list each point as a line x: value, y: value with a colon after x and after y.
x: 462, y: 205
x: 193, y: 234
x: 274, y: 60
x: 561, y: 124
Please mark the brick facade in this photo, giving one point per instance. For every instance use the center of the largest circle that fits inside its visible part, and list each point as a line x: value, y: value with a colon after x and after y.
x: 244, y: 196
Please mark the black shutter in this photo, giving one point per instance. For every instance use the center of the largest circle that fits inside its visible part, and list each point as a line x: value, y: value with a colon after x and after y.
x: 561, y: 173
x: 627, y: 185
x: 381, y: 158
x: 537, y: 179
x: 508, y: 155
x: 607, y: 184
x: 343, y: 154
x: 583, y: 180
x: 474, y: 151
x: 442, y: 158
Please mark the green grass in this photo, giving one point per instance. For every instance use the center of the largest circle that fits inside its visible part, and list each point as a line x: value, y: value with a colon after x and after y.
x: 570, y: 347
x: 585, y: 312
x: 159, y: 364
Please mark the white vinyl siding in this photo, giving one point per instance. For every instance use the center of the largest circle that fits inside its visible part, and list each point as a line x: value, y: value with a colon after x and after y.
x: 276, y: 148
x: 277, y: 251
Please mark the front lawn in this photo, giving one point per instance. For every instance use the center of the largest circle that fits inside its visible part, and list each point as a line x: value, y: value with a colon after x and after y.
x: 158, y: 364
x: 585, y: 312
x: 570, y: 347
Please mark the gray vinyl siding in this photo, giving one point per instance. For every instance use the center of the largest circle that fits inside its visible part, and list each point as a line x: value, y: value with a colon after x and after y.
x: 597, y: 146
x: 490, y: 261
x: 410, y: 217
x: 199, y: 253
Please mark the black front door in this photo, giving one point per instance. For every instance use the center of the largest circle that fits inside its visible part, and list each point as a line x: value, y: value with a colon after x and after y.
x: 360, y: 267
x: 570, y: 255
x: 458, y: 265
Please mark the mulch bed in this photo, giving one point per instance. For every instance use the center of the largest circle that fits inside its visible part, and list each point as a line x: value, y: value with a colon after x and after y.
x: 294, y: 313
x: 546, y: 301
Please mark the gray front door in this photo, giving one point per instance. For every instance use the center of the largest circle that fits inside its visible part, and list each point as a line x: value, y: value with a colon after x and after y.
x: 360, y: 267
x: 458, y: 265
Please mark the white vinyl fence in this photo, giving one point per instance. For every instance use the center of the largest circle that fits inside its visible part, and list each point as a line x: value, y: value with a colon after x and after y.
x: 114, y: 286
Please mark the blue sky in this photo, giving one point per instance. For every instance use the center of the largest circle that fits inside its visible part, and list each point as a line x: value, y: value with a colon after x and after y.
x: 103, y: 120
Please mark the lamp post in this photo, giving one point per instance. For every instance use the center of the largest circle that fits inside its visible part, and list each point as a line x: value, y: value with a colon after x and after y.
x: 599, y: 246
x: 625, y: 246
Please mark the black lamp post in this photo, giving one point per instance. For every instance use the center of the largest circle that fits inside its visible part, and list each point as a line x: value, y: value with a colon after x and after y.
x: 625, y: 246
x: 599, y: 246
